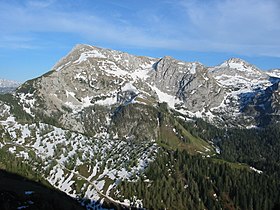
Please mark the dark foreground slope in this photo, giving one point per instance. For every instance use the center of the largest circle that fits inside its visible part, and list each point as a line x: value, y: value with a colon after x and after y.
x: 17, y: 192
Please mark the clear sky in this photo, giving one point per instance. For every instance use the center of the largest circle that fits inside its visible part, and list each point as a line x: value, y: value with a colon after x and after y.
x: 35, y: 34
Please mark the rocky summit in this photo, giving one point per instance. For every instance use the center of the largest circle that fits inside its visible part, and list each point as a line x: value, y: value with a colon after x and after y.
x: 100, y: 117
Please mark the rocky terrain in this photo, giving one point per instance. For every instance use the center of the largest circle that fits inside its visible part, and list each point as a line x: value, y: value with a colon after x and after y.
x: 234, y: 93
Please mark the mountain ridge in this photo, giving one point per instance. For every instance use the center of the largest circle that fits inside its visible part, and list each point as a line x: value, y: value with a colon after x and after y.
x: 178, y: 78
x: 166, y: 79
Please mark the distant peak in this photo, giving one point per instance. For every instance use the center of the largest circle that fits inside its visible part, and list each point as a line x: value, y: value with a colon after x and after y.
x: 9, y: 83
x: 236, y: 60
x: 166, y: 58
x: 170, y: 58
x: 82, y: 46
x: 79, y: 45
x: 237, y: 63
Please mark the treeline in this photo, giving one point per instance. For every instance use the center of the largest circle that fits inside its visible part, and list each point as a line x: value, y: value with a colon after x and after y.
x: 176, y: 180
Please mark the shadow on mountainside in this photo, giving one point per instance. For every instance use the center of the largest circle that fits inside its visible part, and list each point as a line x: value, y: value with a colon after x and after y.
x: 16, y: 192
x: 261, y: 104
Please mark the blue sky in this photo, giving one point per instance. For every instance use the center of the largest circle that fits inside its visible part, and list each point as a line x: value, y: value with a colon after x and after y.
x: 35, y: 34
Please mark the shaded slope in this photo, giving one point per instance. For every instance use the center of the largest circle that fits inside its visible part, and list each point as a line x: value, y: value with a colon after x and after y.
x: 17, y: 191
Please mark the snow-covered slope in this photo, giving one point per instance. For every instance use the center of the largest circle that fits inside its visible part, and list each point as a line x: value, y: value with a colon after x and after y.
x: 274, y: 73
x: 243, y: 84
x: 66, y: 158
x: 236, y: 73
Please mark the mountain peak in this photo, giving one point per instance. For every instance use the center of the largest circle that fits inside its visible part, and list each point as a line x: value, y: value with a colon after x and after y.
x: 167, y: 57
x: 274, y: 73
x: 78, y: 54
x: 235, y: 63
x: 236, y: 60
x: 83, y: 54
x: 240, y: 66
x: 82, y: 46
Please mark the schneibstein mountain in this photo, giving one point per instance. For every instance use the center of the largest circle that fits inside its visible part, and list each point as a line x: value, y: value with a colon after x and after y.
x: 101, y: 117
x: 234, y: 93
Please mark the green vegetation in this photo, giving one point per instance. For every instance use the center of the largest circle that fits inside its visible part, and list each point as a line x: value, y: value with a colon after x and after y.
x: 255, y: 147
x: 233, y: 165
x: 27, y: 87
x: 16, y: 108
x: 177, y: 180
x: 17, y: 165
x: 137, y: 120
x: 173, y: 135
x: 52, y: 119
x: 83, y: 170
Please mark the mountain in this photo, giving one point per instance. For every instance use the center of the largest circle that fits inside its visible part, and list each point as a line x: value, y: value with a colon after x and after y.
x: 100, y: 121
x: 234, y: 93
x: 7, y: 86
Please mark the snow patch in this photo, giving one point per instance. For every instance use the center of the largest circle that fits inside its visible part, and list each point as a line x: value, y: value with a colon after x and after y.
x: 108, y: 101
x: 90, y: 54
x: 256, y: 170
x: 164, y: 97
x: 129, y: 87
x: 193, y: 69
x: 69, y: 93
x: 63, y: 66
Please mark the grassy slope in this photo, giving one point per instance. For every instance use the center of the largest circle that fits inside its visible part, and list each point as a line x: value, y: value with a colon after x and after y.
x: 173, y: 135
x: 193, y: 145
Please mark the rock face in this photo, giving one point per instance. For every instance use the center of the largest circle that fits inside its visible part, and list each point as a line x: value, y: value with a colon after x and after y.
x: 94, y: 77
